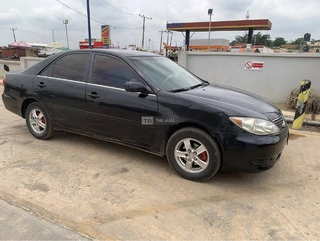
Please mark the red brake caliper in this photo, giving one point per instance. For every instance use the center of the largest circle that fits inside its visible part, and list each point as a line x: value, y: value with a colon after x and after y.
x: 43, y: 120
x: 203, y: 156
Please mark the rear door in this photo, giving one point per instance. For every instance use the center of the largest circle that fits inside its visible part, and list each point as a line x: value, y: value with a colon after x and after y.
x: 113, y: 112
x: 60, y: 88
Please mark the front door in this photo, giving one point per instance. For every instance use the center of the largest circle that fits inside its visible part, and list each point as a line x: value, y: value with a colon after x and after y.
x: 113, y: 112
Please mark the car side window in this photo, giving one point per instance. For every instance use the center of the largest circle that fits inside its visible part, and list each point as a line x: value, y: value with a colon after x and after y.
x: 48, y: 71
x: 71, y: 67
x: 111, y: 72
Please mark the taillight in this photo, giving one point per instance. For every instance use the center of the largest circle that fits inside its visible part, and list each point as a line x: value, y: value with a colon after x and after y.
x: 4, y: 81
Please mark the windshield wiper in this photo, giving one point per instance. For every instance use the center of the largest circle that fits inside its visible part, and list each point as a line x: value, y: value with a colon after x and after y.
x: 180, y: 89
x: 205, y: 83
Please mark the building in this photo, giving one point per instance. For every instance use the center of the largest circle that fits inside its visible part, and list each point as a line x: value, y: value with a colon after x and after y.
x: 215, y: 45
x: 94, y: 43
x: 253, y: 49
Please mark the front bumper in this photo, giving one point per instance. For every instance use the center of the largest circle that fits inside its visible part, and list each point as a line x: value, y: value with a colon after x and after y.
x: 252, y: 153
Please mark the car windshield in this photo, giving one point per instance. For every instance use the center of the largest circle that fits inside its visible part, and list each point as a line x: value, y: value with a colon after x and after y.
x: 166, y: 74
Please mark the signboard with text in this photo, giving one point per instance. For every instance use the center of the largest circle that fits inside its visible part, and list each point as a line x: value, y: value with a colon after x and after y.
x: 253, y: 65
x: 105, y: 35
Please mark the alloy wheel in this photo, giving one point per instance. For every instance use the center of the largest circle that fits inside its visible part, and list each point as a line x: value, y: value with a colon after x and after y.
x: 192, y: 155
x: 37, y: 121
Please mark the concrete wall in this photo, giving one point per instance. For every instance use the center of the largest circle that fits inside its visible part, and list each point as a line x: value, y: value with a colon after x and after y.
x: 27, y: 62
x: 14, y: 65
x: 280, y: 75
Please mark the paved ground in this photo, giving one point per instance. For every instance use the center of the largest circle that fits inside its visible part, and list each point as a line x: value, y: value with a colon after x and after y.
x: 107, y: 191
x: 18, y: 224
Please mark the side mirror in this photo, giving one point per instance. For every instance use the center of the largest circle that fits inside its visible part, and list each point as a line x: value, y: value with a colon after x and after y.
x: 134, y: 86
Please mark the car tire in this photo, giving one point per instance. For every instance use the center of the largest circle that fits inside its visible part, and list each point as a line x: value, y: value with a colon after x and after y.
x: 38, y: 121
x: 193, y: 154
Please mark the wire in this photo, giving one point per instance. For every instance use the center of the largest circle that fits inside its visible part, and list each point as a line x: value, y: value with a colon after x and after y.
x: 79, y: 12
x: 93, y: 18
x: 104, y: 4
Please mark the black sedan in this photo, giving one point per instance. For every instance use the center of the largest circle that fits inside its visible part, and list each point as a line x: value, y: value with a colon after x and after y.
x: 150, y: 103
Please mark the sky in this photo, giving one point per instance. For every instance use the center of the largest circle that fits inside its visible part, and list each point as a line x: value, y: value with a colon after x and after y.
x: 35, y: 20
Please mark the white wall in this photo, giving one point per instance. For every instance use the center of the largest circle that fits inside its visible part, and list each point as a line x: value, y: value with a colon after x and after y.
x: 25, y: 62
x: 280, y: 75
x: 13, y: 65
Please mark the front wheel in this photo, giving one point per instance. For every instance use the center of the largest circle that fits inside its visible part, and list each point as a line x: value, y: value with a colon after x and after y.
x: 38, y: 121
x: 193, y: 154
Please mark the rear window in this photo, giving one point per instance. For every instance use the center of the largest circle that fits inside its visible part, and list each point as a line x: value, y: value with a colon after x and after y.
x: 71, y: 67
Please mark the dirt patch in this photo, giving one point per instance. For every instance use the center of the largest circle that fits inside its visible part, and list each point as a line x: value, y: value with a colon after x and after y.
x: 294, y: 136
x: 285, y: 107
x: 37, y: 187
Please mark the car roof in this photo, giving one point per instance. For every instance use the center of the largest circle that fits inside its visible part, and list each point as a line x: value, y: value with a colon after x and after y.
x: 120, y: 52
x: 33, y: 70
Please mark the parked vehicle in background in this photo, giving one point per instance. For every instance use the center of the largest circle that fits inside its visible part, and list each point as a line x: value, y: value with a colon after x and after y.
x: 150, y: 103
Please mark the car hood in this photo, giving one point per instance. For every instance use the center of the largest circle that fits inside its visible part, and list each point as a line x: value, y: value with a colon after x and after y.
x: 232, y: 100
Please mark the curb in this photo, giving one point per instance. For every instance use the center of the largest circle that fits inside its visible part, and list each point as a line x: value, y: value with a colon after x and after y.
x: 306, y: 122
x: 289, y: 117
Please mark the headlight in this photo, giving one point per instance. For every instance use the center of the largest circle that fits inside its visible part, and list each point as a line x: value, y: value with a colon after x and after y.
x: 256, y: 126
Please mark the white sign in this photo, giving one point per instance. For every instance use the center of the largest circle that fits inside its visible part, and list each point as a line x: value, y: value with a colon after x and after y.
x: 253, y: 65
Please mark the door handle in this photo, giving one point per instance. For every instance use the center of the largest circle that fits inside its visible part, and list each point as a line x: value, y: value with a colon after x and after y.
x: 94, y: 95
x: 41, y: 85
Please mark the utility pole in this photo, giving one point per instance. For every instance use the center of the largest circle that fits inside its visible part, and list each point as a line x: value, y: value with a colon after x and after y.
x: 89, y: 26
x: 167, y: 42
x: 161, y: 32
x: 168, y: 32
x: 14, y: 35
x: 53, y: 40
x: 143, y: 28
x: 65, y: 22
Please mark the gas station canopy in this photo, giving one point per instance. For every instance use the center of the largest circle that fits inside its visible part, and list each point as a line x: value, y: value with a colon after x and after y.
x: 233, y: 25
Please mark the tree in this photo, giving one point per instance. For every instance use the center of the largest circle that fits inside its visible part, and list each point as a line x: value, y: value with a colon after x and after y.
x: 264, y: 39
x: 241, y: 39
x: 279, y: 41
x: 298, y: 41
x: 257, y: 39
x: 233, y: 43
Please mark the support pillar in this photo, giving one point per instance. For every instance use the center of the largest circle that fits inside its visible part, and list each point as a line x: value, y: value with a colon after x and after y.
x: 250, y: 35
x: 187, y: 39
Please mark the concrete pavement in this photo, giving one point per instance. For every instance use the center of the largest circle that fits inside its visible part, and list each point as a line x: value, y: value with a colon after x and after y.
x: 18, y: 224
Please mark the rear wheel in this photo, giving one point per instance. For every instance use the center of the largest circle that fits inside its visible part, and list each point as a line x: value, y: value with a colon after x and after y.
x: 193, y: 154
x: 38, y: 121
